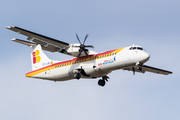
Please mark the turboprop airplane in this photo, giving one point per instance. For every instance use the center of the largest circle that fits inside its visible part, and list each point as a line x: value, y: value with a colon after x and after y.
x: 86, y: 63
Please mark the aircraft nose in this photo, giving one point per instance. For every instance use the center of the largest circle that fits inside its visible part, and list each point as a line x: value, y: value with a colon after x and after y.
x: 146, y: 56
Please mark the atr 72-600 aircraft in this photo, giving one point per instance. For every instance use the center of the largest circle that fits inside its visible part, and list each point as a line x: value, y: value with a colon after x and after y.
x: 85, y: 64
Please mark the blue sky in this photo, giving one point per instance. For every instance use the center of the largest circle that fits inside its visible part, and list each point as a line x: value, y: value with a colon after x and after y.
x: 110, y: 24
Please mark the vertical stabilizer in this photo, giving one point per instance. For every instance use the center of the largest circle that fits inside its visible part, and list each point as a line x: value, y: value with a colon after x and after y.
x: 38, y: 58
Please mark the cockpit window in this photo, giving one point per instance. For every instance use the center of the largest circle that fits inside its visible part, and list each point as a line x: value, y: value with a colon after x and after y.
x: 139, y: 48
x: 135, y: 48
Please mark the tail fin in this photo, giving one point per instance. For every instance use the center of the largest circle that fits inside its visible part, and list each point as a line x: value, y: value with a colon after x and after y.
x: 38, y: 58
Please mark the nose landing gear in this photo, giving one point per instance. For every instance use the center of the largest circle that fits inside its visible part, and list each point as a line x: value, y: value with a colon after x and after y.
x: 102, y: 81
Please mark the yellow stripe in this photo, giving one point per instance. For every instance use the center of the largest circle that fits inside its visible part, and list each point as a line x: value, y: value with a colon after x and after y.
x: 52, y: 67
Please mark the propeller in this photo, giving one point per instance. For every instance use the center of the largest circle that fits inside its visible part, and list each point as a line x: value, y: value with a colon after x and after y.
x: 133, y: 70
x: 82, y: 47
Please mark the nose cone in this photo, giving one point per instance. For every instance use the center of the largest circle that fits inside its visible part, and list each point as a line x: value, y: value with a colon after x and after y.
x: 146, y: 57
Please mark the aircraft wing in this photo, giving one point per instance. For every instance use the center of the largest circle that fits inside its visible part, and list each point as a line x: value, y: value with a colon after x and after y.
x: 32, y: 35
x: 145, y: 68
x: 47, y: 43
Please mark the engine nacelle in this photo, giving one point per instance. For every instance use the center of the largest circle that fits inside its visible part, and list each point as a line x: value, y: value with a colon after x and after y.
x: 74, y: 51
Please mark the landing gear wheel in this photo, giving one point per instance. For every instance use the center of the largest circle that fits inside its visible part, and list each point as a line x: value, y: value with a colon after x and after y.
x: 77, y: 75
x: 101, y: 82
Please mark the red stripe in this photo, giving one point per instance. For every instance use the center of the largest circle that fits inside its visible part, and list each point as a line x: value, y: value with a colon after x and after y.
x: 73, y: 60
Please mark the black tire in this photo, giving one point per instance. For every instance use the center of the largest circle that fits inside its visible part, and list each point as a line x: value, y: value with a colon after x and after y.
x: 101, y: 82
x: 77, y: 75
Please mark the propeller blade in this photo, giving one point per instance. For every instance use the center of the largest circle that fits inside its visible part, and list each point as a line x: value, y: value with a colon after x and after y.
x: 80, y: 51
x: 85, y: 50
x: 85, y: 39
x: 89, y: 46
x: 133, y: 70
x: 78, y: 38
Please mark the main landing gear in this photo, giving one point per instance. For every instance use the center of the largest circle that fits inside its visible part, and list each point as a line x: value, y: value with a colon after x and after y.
x: 102, y: 81
x: 77, y: 75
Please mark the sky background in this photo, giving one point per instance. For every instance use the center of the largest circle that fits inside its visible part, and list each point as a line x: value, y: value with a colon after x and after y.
x: 111, y: 24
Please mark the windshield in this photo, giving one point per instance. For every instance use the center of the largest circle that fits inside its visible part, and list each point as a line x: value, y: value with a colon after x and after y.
x: 136, y: 48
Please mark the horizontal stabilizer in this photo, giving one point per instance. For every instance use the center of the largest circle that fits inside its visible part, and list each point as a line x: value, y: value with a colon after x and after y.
x: 23, y: 42
x: 49, y: 48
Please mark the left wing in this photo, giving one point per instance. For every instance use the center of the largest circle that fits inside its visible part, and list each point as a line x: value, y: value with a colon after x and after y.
x: 144, y: 68
x: 32, y: 35
x: 47, y: 43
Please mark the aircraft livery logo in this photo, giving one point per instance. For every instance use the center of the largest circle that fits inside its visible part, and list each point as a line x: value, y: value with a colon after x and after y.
x: 36, y: 57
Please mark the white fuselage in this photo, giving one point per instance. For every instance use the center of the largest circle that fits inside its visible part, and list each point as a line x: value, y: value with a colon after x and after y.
x: 95, y: 66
